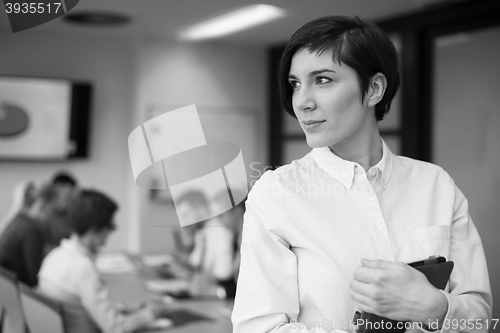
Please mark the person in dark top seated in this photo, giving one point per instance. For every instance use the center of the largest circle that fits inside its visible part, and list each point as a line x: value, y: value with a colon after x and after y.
x: 22, y: 199
x: 59, y: 226
x: 23, y: 241
x: 23, y: 196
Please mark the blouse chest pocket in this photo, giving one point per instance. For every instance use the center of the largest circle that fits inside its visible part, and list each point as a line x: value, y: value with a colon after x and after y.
x: 433, y: 240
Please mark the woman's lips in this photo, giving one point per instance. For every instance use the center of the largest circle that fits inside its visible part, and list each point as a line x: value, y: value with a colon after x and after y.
x: 312, y: 124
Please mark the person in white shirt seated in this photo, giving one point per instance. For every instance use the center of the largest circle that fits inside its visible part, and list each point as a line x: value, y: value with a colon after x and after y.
x: 192, y: 206
x: 69, y: 274
x: 331, y: 233
x: 211, y: 244
x: 223, y: 234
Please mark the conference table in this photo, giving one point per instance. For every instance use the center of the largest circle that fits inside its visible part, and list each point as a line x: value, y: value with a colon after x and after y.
x: 130, y: 289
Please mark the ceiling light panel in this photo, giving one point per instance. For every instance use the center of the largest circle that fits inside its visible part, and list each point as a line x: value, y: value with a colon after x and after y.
x: 240, y: 19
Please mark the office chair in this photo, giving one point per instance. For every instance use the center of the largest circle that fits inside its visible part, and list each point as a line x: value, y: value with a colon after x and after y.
x: 42, y: 314
x: 2, y: 311
x: 10, y: 302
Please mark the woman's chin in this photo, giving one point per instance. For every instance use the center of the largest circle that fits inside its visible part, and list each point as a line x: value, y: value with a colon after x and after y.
x: 316, y: 142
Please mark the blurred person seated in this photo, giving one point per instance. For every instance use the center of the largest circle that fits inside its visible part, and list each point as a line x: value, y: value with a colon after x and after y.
x: 233, y: 221
x: 69, y: 274
x: 23, y: 241
x: 191, y: 206
x: 221, y: 239
x: 59, y: 227
x: 210, y: 246
x: 22, y: 199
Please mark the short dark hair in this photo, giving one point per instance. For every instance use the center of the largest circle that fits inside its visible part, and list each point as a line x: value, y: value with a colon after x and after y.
x: 64, y: 178
x: 46, y: 193
x: 91, y: 210
x: 361, y: 45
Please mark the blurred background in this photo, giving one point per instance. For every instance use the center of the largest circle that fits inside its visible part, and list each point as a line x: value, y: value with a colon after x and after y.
x: 447, y: 111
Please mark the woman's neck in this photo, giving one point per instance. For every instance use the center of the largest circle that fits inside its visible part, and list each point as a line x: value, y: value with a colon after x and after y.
x: 366, y: 150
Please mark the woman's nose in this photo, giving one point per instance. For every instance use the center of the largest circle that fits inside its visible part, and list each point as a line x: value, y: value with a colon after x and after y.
x: 303, y: 100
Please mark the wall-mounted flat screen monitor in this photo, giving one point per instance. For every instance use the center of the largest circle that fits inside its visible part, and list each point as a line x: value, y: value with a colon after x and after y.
x: 43, y: 118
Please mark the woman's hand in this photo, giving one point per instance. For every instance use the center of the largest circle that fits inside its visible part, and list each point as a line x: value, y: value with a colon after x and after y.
x: 397, y: 291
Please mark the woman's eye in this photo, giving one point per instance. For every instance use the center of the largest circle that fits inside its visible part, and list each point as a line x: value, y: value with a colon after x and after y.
x: 294, y: 83
x: 323, y: 80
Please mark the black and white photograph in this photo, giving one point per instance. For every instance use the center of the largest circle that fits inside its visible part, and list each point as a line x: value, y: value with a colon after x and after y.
x: 274, y: 166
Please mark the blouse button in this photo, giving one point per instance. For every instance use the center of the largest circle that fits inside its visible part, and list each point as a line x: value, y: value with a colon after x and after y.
x: 380, y: 227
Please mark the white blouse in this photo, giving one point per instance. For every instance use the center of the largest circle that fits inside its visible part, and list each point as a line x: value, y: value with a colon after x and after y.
x: 308, y: 224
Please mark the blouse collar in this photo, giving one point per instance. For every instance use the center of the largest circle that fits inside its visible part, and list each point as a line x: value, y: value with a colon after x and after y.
x: 344, y: 170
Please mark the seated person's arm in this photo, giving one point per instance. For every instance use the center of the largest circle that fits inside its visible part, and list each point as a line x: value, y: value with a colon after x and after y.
x: 95, y: 299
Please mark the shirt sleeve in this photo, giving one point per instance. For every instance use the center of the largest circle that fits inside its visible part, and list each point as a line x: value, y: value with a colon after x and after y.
x: 267, y: 296
x: 33, y: 242
x: 95, y: 299
x: 470, y: 299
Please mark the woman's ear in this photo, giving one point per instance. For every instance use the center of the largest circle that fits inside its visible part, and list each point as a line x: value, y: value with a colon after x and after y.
x: 376, y: 90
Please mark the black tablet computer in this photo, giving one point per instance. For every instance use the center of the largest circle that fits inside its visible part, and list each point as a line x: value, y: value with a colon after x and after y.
x: 436, y: 269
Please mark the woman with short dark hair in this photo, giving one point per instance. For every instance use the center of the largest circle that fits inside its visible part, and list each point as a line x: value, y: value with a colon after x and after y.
x: 331, y: 233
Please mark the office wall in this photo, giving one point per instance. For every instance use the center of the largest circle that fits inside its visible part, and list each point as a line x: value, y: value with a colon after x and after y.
x: 110, y: 65
x: 214, y: 75
x: 466, y: 136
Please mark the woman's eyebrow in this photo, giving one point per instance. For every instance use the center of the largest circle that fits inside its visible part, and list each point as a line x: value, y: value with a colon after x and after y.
x: 321, y: 71
x: 314, y: 73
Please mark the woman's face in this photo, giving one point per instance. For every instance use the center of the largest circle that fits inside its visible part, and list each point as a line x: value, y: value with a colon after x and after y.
x: 327, y: 101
